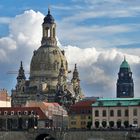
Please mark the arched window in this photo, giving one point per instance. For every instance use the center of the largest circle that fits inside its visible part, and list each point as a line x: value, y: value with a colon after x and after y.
x: 104, y: 124
x: 96, y: 113
x: 49, y: 33
x: 126, y: 112
x: 118, y: 123
x: 111, y: 124
x: 119, y: 113
x: 23, y: 89
x: 126, y: 124
x: 97, y: 124
x: 53, y: 32
x: 135, y: 112
x: 5, y: 112
x: 104, y: 113
x: 111, y: 113
x: 12, y: 112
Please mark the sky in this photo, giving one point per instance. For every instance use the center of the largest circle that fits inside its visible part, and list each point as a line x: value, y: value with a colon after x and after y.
x: 95, y: 34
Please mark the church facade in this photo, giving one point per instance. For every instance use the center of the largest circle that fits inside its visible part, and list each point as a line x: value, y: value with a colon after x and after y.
x: 48, y: 73
x: 125, y: 85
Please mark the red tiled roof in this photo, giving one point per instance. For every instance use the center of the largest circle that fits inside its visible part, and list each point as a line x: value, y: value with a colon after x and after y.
x: 81, y: 107
x: 86, y: 103
x: 39, y: 112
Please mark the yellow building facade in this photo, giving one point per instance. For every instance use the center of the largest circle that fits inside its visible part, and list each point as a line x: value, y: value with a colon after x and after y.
x: 80, y: 115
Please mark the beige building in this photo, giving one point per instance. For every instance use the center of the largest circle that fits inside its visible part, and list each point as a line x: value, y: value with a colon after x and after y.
x: 56, y: 114
x: 116, y: 113
x: 48, y: 78
x: 5, y: 99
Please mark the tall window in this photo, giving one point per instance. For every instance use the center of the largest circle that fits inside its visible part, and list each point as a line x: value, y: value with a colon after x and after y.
x: 104, y: 113
x: 119, y: 113
x: 96, y: 113
x: 126, y: 112
x: 135, y: 112
x: 111, y: 113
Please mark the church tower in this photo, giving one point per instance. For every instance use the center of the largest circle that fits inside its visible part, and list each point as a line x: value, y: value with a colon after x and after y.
x: 48, y: 73
x: 47, y: 60
x: 76, y: 84
x: 49, y: 31
x: 20, y: 79
x: 125, y: 85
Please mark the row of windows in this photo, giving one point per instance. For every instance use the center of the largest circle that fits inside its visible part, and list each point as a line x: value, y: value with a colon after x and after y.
x: 119, y: 113
x: 119, y: 123
x: 18, y: 113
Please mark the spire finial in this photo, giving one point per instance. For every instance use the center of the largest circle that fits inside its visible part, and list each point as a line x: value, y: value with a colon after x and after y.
x: 49, y: 10
x: 20, y: 63
x: 75, y: 66
x: 124, y: 58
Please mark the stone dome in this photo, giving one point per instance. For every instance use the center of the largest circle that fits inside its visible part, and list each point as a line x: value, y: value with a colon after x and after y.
x: 45, y: 65
x: 48, y: 18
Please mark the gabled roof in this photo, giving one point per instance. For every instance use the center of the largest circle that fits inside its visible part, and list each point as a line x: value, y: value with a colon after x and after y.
x: 39, y: 112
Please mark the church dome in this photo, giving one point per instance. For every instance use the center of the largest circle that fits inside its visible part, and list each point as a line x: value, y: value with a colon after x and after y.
x: 48, y: 18
x: 125, y: 64
x: 45, y: 64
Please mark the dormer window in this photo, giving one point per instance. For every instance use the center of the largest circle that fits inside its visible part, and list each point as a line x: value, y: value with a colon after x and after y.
x: 32, y: 112
x: 5, y: 112
x: 25, y: 112
x: 12, y: 112
x: 19, y: 112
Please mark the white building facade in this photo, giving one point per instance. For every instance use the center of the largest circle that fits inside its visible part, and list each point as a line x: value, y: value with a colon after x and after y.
x: 116, y: 113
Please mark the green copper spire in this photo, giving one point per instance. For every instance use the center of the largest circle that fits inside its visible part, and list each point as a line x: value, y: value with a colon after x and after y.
x: 125, y: 64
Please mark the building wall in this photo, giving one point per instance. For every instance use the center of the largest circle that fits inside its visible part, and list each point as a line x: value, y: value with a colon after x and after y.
x: 131, y: 118
x: 79, y: 121
x: 5, y: 103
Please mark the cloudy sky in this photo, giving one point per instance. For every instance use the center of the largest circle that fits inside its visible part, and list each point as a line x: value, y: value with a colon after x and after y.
x: 96, y: 34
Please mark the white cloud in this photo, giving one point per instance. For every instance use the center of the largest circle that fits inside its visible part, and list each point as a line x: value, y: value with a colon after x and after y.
x: 98, y: 67
x: 26, y: 28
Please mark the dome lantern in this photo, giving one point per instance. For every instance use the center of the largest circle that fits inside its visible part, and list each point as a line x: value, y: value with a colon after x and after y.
x: 49, y: 31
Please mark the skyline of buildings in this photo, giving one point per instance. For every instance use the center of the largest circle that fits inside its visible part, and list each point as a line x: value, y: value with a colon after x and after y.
x: 86, y: 29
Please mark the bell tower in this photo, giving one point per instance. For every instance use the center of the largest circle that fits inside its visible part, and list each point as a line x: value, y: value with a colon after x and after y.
x: 21, y: 79
x: 49, y: 31
x: 125, y: 85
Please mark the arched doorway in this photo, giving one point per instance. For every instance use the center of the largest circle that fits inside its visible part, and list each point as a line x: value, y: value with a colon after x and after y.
x: 126, y: 124
x: 111, y: 124
x: 104, y: 124
x: 97, y: 124
x: 44, y: 137
x: 119, y: 124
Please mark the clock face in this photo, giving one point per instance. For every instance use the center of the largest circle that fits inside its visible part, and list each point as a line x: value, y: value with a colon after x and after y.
x: 122, y: 74
x: 129, y: 74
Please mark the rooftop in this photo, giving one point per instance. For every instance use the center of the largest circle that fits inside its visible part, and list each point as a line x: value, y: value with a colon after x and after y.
x: 125, y: 64
x: 108, y: 102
